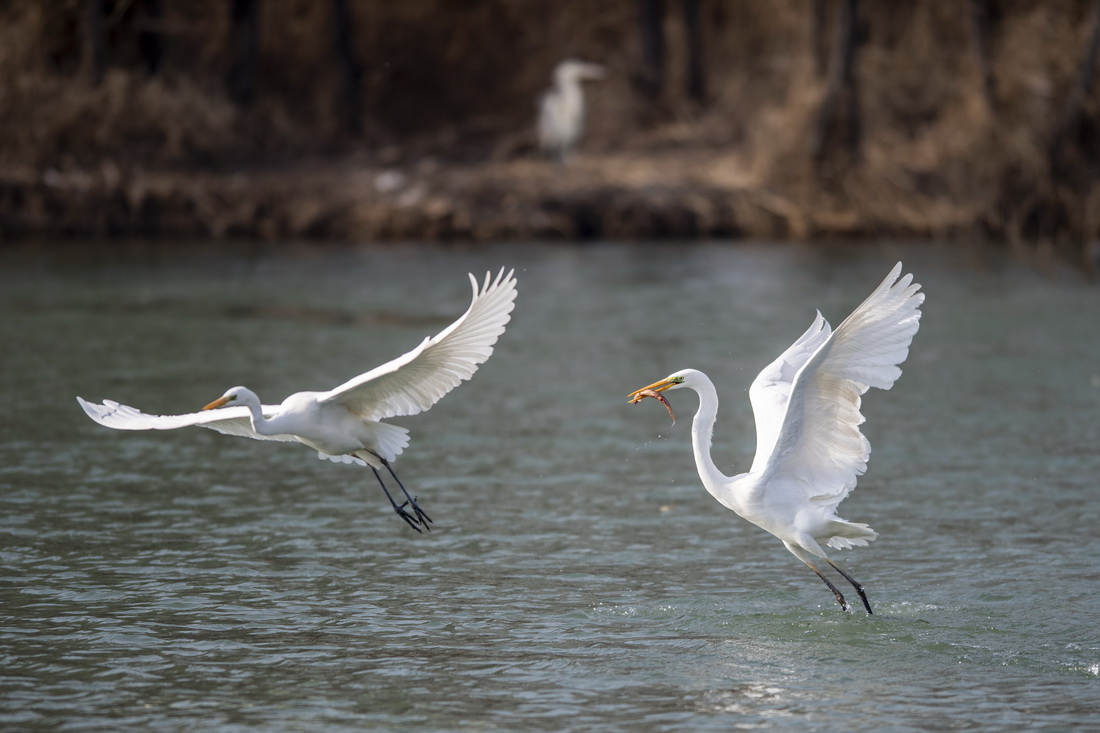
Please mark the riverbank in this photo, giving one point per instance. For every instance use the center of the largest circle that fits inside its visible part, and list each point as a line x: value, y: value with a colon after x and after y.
x: 681, y: 194
x: 414, y: 121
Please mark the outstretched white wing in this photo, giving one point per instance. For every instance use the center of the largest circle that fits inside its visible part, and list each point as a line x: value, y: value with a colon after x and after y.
x: 771, y: 389
x: 228, y: 420
x: 817, y: 440
x: 417, y: 380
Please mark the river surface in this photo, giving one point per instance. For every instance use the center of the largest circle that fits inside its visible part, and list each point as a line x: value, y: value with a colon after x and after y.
x: 578, y: 576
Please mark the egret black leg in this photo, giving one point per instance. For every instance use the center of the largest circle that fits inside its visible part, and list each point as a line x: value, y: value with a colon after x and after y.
x: 423, y: 518
x: 855, y: 584
x: 839, y: 598
x: 412, y: 521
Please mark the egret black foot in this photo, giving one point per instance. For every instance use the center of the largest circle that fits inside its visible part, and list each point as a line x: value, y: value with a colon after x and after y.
x: 410, y: 519
x: 421, y: 515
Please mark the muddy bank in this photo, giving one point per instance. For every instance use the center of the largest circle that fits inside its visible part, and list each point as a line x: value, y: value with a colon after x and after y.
x: 680, y: 195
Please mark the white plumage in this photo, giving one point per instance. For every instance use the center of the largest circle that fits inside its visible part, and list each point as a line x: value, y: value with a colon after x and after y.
x: 561, y: 109
x: 344, y: 424
x: 810, y: 450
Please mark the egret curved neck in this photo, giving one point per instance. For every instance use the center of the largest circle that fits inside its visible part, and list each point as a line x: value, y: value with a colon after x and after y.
x: 259, y: 423
x: 571, y: 95
x: 702, y: 430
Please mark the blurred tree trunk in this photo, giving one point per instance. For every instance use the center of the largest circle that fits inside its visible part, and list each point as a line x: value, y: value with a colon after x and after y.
x: 818, y: 31
x: 244, y: 37
x: 693, y: 35
x: 351, y: 69
x: 150, y: 38
x: 94, y: 51
x: 837, y: 131
x: 1069, y: 123
x: 981, y: 34
x: 1055, y: 211
x: 650, y: 25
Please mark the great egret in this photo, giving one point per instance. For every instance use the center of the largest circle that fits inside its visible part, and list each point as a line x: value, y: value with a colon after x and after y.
x: 809, y: 449
x: 561, y: 109
x: 345, y: 424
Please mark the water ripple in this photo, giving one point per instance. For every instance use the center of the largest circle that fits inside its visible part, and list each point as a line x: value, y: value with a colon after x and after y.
x: 578, y: 577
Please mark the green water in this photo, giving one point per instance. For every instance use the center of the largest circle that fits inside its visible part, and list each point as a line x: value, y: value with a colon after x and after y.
x: 579, y: 577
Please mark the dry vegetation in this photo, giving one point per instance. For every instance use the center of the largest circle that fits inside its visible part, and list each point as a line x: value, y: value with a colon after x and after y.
x: 434, y: 139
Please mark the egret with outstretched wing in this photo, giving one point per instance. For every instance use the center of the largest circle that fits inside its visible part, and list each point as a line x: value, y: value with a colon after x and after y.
x: 809, y: 449
x: 345, y: 424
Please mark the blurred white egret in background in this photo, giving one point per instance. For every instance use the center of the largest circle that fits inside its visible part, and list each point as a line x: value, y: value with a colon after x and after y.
x: 345, y: 424
x: 809, y: 449
x: 561, y: 109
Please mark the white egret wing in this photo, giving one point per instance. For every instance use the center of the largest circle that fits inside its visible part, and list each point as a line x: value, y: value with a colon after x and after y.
x: 771, y: 389
x: 417, y: 380
x: 819, y: 442
x: 228, y: 420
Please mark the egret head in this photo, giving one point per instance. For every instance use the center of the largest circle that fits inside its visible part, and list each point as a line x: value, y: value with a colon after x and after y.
x: 234, y: 396
x: 676, y: 380
x: 571, y: 71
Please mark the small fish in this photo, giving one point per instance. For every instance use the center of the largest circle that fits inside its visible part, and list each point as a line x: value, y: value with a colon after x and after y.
x: 642, y: 394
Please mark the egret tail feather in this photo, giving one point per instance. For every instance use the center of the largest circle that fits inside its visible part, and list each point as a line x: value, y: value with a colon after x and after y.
x: 846, y: 535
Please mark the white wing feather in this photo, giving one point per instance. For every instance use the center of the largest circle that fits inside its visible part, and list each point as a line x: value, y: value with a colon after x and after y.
x: 771, y: 389
x: 228, y: 420
x: 417, y: 380
x: 404, y: 386
x: 817, y: 440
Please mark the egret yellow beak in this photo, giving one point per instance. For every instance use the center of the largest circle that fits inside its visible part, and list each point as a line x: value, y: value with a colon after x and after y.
x: 654, y: 390
x: 659, y: 386
x: 216, y: 403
